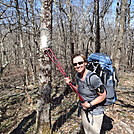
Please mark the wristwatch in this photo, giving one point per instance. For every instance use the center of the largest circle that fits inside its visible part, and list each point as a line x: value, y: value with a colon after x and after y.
x: 90, y: 104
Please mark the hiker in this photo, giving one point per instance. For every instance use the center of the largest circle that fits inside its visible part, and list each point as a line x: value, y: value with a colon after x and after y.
x: 91, y: 110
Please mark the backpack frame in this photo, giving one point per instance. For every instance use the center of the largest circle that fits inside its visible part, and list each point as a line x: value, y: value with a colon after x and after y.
x: 101, y: 64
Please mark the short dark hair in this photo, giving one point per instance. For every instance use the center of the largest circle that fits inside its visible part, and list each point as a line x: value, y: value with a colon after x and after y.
x: 79, y: 54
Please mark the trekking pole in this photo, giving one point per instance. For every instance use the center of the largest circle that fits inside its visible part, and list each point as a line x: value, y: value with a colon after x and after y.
x: 53, y: 58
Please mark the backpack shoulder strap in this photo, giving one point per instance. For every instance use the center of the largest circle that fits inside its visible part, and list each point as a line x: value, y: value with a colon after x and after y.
x: 88, y: 78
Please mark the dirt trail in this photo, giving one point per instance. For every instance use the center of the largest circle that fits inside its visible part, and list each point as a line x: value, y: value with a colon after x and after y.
x: 16, y: 111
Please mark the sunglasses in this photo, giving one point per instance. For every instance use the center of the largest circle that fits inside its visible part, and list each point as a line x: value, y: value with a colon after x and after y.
x: 79, y: 63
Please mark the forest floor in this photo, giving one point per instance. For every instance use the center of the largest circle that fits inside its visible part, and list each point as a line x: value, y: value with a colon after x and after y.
x: 17, y: 110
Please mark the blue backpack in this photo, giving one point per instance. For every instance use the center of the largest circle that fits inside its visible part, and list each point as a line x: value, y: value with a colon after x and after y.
x: 101, y: 64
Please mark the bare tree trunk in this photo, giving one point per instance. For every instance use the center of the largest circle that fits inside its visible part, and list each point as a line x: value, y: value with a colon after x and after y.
x: 71, y: 31
x: 2, y: 59
x: 43, y: 120
x: 3, y: 54
x: 70, y: 15
x: 32, y: 45
x: 63, y: 34
x: 21, y: 44
x: 97, y: 26
x: 130, y: 47
x: 120, y: 41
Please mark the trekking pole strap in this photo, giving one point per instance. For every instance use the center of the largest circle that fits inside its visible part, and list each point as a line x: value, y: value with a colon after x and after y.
x: 53, y: 58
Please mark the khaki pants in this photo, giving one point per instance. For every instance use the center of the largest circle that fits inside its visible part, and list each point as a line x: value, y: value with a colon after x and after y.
x: 94, y: 126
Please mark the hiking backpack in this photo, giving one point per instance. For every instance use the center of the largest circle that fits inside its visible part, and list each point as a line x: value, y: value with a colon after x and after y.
x: 101, y: 64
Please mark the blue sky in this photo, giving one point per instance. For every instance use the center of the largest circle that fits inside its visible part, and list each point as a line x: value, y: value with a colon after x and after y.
x: 111, y: 16
x: 131, y: 10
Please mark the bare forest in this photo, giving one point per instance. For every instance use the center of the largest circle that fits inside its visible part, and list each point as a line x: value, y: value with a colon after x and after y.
x: 34, y: 98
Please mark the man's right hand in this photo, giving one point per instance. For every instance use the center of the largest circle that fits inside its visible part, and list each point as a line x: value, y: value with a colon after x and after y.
x: 67, y: 80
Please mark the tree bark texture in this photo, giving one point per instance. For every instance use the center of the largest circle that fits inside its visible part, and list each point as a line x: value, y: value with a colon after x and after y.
x: 97, y: 26
x: 43, y: 121
x: 120, y: 52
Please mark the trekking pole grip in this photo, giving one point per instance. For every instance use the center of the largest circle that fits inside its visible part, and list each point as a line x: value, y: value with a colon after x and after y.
x: 76, y: 91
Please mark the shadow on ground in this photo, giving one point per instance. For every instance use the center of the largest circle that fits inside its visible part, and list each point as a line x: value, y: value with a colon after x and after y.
x: 124, y: 105
x: 107, y: 124
x: 63, y: 118
x: 25, y: 124
x: 57, y: 101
